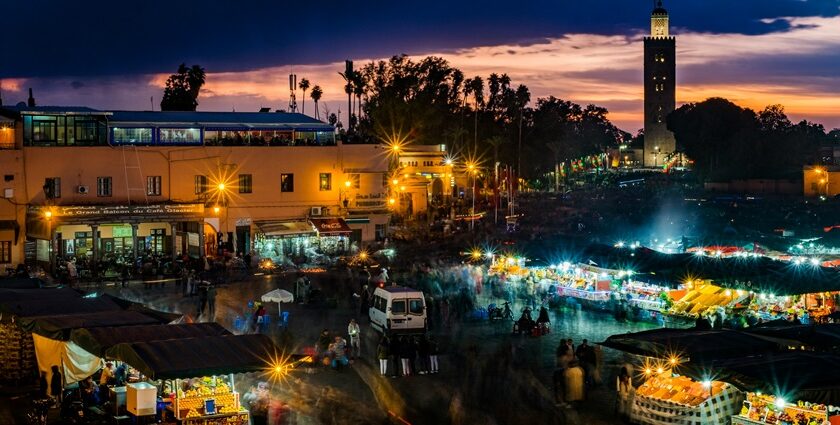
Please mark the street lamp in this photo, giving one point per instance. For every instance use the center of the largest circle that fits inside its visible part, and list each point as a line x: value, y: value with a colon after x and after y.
x: 655, y: 156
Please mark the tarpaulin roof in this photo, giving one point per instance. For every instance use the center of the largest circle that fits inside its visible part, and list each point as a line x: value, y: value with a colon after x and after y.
x: 57, y: 301
x: 690, y: 344
x: 794, y: 375
x: 760, y: 274
x: 196, y: 357
x: 59, y: 327
x: 819, y: 337
x: 98, y: 340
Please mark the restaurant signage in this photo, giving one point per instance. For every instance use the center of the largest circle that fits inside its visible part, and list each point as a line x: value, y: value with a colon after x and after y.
x: 127, y: 210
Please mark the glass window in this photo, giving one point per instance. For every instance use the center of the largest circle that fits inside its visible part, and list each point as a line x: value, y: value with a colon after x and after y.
x: 379, y: 304
x: 398, y: 307
x: 5, y: 252
x: 287, y: 182
x: 181, y: 136
x: 415, y: 306
x: 103, y: 186
x: 131, y: 136
x: 325, y: 181
x: 44, y: 130
x: 245, y: 183
x: 153, y: 184
x: 200, y: 184
x: 52, y: 187
x: 85, y: 131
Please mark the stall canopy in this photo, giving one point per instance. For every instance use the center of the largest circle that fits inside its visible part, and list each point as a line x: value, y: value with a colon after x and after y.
x: 823, y: 337
x: 56, y: 301
x: 286, y: 229
x: 333, y: 226
x: 759, y: 274
x: 60, y: 327
x: 794, y: 375
x: 195, y: 357
x: 98, y: 340
x: 699, y: 346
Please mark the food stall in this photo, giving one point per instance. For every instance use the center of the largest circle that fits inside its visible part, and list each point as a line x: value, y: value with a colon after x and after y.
x: 762, y: 409
x: 664, y: 399
x: 209, y: 400
x: 194, y: 377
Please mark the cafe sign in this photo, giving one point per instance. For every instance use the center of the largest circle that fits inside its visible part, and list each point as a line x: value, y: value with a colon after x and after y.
x: 83, y: 211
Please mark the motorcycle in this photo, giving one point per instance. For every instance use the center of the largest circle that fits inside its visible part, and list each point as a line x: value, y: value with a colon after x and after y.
x: 499, y: 313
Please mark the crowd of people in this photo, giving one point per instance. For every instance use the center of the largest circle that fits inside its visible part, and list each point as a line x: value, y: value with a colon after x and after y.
x: 406, y: 355
x: 578, y: 370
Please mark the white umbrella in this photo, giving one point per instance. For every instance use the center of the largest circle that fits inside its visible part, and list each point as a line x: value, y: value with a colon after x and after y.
x: 278, y: 296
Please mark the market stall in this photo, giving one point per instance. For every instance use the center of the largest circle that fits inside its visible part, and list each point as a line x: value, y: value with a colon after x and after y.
x: 193, y: 377
x: 764, y: 409
x: 678, y: 400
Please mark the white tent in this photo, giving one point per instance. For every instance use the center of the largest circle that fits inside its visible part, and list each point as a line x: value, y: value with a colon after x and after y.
x: 278, y: 296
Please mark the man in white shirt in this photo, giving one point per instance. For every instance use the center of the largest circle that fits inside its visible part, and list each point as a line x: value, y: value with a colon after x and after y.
x: 355, y: 338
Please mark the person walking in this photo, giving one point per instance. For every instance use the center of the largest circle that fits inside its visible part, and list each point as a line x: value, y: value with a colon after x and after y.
x: 55, y: 384
x: 355, y: 338
x: 573, y: 379
x: 623, y: 388
x: 433, y: 355
x: 404, y: 351
x: 396, y: 360
x: 383, y: 351
x: 423, y: 355
x: 323, y: 344
x: 211, y: 301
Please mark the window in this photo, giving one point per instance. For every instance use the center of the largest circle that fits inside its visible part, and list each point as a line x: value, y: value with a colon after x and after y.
x: 415, y: 306
x: 156, y: 240
x: 355, y: 180
x: 131, y: 136
x: 379, y: 303
x: 52, y: 187
x: 103, y: 186
x: 180, y: 136
x: 5, y: 252
x: 398, y: 307
x: 200, y: 184
x: 44, y: 129
x: 85, y: 131
x: 153, y: 185
x: 325, y: 181
x: 245, y: 183
x: 660, y: 57
x: 380, y: 232
x: 287, y: 182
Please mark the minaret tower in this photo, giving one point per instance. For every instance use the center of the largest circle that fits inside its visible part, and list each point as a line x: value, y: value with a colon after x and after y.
x: 660, y: 88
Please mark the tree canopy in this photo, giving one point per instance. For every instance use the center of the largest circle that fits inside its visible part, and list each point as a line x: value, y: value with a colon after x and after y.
x: 182, y: 89
x: 428, y: 101
x: 727, y: 141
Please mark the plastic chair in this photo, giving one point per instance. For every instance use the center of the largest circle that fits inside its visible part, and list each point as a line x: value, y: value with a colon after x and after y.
x: 284, y: 319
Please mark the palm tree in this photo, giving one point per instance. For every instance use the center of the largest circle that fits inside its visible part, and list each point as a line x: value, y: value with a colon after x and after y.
x: 495, y: 142
x: 348, y: 88
x: 358, y: 90
x: 477, y: 90
x: 304, y: 85
x: 316, y: 94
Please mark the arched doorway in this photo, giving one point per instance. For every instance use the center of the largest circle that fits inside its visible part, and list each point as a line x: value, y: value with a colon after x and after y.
x: 211, y: 244
x: 437, y: 191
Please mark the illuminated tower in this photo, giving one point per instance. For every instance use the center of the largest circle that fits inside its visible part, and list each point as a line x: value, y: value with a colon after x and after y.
x: 660, y: 88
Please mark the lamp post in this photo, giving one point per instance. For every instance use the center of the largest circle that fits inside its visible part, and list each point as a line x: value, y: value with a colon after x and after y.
x: 655, y: 156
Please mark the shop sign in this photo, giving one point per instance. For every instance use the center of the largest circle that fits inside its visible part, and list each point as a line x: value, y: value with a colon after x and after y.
x: 371, y: 196
x: 128, y: 210
x: 121, y: 231
x: 243, y: 221
x: 192, y: 239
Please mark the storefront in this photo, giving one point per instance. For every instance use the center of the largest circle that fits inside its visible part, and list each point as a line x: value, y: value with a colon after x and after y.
x: 283, y: 241
x: 333, y: 235
x: 109, y: 234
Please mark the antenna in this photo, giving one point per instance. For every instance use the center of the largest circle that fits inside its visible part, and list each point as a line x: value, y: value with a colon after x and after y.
x: 292, y: 86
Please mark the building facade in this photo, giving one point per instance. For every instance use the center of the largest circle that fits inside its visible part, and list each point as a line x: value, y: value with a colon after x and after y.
x: 660, y: 89
x: 91, y: 184
x: 422, y: 177
x: 821, y: 180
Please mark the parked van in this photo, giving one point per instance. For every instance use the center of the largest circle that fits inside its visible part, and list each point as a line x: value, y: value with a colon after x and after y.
x: 398, y: 310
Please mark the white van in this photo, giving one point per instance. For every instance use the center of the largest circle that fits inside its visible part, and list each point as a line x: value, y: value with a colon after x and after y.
x: 398, y: 310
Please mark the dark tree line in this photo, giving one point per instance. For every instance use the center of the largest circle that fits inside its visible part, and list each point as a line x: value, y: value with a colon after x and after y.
x: 431, y: 102
x: 727, y: 141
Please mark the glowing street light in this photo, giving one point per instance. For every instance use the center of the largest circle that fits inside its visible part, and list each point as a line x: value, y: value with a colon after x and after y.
x: 221, y: 187
x: 48, y: 214
x: 392, y: 201
x: 395, y: 182
x: 347, y: 183
x: 216, y: 210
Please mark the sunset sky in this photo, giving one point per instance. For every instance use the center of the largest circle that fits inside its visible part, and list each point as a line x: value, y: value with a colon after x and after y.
x: 116, y: 55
